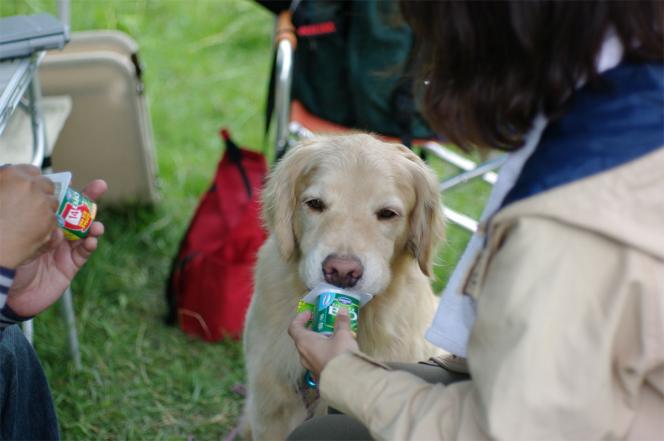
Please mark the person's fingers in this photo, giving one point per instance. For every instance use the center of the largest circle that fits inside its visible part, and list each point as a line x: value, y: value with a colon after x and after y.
x: 82, y: 250
x: 342, y: 322
x: 297, y: 330
x: 96, y: 229
x: 45, y: 185
x: 27, y: 169
x: 53, y: 203
x: 52, y: 226
x: 49, y: 241
x: 305, y: 364
x: 299, y: 324
x: 95, y: 189
x: 89, y: 246
x: 57, y: 236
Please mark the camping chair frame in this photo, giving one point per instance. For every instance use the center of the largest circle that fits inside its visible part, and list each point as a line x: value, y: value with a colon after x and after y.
x: 287, y: 130
x: 24, y: 93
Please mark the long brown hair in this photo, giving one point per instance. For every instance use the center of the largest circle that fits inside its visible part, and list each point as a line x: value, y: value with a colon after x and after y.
x: 491, y: 66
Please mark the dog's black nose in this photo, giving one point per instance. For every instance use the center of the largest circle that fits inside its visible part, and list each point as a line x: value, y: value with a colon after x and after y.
x: 342, y: 271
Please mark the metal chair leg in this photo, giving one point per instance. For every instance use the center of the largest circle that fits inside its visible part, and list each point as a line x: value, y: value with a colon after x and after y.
x: 460, y: 219
x: 38, y: 124
x: 284, y: 78
x: 479, y: 170
x: 70, y: 320
x: 28, y: 330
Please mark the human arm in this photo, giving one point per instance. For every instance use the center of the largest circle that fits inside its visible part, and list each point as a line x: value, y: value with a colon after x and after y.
x: 541, y: 354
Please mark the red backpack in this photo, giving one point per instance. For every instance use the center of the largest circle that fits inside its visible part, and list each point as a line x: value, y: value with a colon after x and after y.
x: 211, y: 280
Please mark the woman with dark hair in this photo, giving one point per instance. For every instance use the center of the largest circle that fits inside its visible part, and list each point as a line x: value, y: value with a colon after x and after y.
x: 568, y: 342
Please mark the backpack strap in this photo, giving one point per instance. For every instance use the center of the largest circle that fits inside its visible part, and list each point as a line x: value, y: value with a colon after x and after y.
x: 235, y: 155
x: 403, y: 110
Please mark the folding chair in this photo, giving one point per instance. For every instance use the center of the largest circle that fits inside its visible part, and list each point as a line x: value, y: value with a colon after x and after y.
x: 294, y: 121
x: 29, y: 136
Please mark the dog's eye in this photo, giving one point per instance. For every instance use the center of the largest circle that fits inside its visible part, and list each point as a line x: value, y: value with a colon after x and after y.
x: 315, y: 204
x: 386, y: 214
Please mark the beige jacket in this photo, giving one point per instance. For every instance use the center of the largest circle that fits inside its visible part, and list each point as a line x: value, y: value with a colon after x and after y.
x: 569, y: 337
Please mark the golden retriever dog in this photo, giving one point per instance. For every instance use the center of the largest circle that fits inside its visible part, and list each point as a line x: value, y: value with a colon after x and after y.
x: 355, y: 212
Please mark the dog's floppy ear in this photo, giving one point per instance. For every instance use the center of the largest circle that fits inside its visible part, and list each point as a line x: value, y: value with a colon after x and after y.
x: 427, y: 226
x: 279, y: 199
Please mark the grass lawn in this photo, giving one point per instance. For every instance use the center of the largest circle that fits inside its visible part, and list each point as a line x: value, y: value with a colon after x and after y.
x: 206, y: 65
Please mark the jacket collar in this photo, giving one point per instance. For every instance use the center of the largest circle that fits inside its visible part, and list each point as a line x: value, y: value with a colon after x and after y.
x: 605, y: 126
x: 624, y: 204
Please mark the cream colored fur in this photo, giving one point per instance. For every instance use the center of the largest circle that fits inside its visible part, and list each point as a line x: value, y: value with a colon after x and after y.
x: 355, y: 176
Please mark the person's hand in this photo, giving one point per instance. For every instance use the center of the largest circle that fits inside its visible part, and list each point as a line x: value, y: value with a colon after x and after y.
x: 41, y: 281
x: 27, y: 213
x: 316, y: 350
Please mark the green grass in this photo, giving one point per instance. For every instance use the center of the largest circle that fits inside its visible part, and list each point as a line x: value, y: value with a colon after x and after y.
x: 207, y: 65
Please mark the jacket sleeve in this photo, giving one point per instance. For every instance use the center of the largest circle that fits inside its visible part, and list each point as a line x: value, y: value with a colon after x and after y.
x: 544, y: 353
x: 7, y: 315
